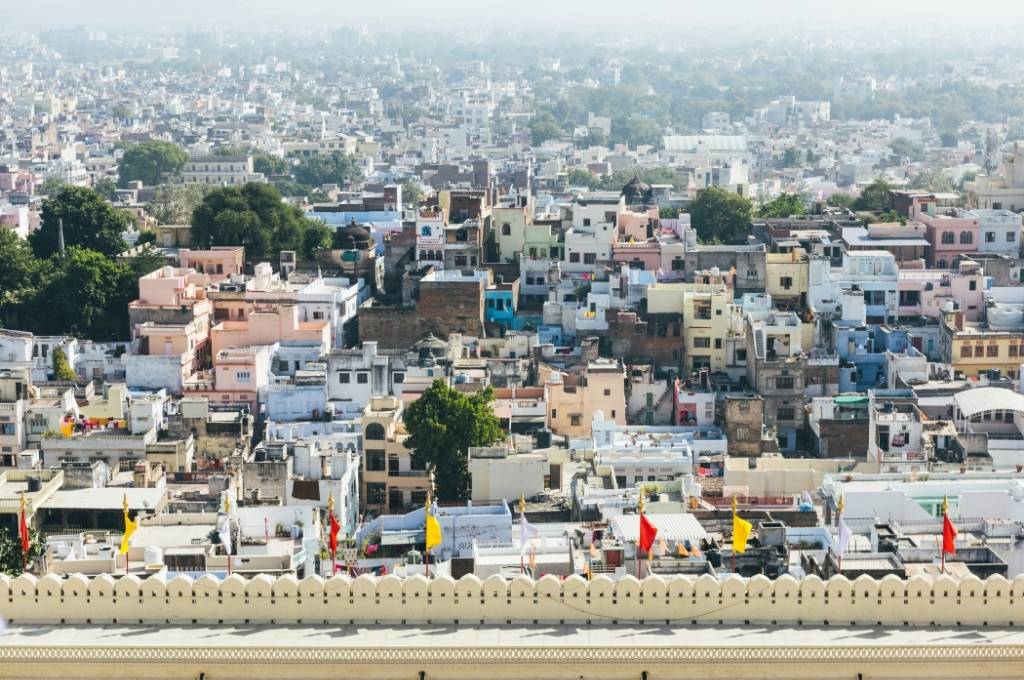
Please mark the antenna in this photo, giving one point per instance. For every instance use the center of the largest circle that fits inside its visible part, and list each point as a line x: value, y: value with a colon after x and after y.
x: 60, y: 234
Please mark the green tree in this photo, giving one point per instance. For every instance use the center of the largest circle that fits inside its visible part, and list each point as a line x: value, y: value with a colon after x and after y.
x: 107, y: 188
x: 121, y: 111
x: 840, y: 200
x: 903, y: 147
x: 149, y: 162
x: 935, y: 180
x: 443, y: 424
x: 11, y: 557
x: 333, y: 168
x: 578, y: 177
x: 89, y: 221
x: 51, y: 186
x: 720, y: 216
x: 61, y: 368
x: 785, y: 205
x: 948, y: 139
x: 875, y: 197
x: 270, y: 165
x: 254, y: 216
x: 544, y: 127
x: 19, y: 271
x: 790, y: 157
x: 411, y: 193
x: 84, y: 292
x: 174, y: 204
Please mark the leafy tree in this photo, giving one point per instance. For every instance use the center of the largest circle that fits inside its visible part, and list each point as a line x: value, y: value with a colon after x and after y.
x: 578, y: 177
x: 720, y: 216
x: 443, y: 424
x: 875, y: 197
x: 636, y: 131
x: 544, y: 127
x: 88, y: 219
x: 148, y: 162
x: 270, y: 165
x: 668, y: 213
x: 411, y: 193
x: 11, y: 557
x: 890, y: 216
x: 253, y: 216
x: 121, y: 111
x: 333, y: 168
x: 948, y: 139
x: 84, y: 292
x: 840, y: 200
x: 61, y: 368
x: 903, y: 147
x: 147, y: 238
x: 316, y: 236
x: 937, y: 181
x: 783, y: 206
x: 107, y: 188
x: 19, y: 271
x: 51, y: 186
x: 174, y: 204
x: 790, y: 157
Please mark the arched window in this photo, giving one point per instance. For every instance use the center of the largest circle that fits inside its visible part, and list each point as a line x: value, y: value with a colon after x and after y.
x: 948, y: 237
x: 941, y: 264
x: 375, y: 431
x: 966, y: 237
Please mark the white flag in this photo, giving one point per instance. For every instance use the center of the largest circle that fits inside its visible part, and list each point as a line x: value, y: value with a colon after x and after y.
x: 224, y: 531
x: 526, y: 532
x: 844, y: 537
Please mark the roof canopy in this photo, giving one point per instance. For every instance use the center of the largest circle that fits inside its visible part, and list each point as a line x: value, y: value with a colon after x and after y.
x: 980, y: 399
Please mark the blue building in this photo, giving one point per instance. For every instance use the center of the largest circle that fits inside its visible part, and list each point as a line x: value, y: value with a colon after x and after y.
x: 500, y: 306
x: 862, y: 349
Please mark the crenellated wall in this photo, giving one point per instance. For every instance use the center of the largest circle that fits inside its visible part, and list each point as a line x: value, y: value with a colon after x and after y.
x: 368, y: 600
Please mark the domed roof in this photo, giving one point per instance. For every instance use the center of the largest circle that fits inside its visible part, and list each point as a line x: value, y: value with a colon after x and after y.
x: 352, y: 237
x: 636, y: 191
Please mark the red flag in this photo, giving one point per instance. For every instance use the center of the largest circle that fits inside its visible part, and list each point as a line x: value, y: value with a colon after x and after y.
x: 335, y: 528
x: 647, y: 533
x: 948, y: 536
x: 23, y: 529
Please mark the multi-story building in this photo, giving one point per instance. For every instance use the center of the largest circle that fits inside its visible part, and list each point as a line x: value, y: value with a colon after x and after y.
x: 952, y: 232
x: 220, y: 171
x: 999, y: 231
x: 975, y: 348
x: 574, y: 397
x: 392, y: 480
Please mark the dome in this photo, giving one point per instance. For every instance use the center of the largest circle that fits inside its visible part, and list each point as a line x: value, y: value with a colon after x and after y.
x: 352, y: 237
x: 636, y: 191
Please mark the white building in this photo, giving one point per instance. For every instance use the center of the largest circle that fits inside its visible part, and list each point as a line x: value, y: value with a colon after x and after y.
x: 998, y: 231
x: 220, y: 171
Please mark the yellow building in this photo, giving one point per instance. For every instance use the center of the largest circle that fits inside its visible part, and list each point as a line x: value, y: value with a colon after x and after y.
x: 391, y: 481
x: 787, y: 277
x: 705, y: 313
x: 573, y: 397
x: 971, y: 348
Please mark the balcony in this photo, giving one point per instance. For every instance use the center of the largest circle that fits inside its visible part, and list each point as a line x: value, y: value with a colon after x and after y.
x: 407, y: 473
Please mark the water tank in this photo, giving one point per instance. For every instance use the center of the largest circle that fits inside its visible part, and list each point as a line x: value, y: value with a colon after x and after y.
x: 543, y: 439
x: 34, y: 484
x: 153, y: 555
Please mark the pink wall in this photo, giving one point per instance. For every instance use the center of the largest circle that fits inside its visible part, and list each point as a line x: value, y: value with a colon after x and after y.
x: 218, y: 263
x: 267, y: 327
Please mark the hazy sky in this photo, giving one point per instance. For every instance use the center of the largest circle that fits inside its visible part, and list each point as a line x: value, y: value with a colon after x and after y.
x: 921, y: 17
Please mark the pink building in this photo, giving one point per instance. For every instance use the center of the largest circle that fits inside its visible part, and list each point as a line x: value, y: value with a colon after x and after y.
x: 172, y: 296
x: 219, y: 262
x: 238, y: 375
x: 951, y: 232
x: 266, y: 326
x: 636, y: 244
x: 189, y: 342
x: 924, y: 292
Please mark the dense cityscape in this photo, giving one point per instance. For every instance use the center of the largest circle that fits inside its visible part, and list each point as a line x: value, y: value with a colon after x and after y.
x: 362, y: 352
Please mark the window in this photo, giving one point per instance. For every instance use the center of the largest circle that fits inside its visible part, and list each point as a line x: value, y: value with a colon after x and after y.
x: 574, y: 420
x: 533, y: 253
x: 398, y: 378
x: 718, y: 343
x: 966, y: 352
x: 344, y: 377
x: 948, y: 238
x: 1013, y: 350
x: 784, y: 382
x: 973, y: 285
x: 243, y: 376
x: 966, y: 237
x: 992, y: 351
x: 786, y: 282
x: 589, y: 258
x: 701, y: 343
x: 786, y: 413
x: 574, y: 257
x: 678, y: 264
x: 376, y: 493
x: 282, y: 366
x: 374, y: 432
x: 318, y: 316
x: 1011, y: 237
x: 375, y: 460
x: 941, y: 264
x: 554, y: 413
x: 613, y: 413
x: 990, y: 237
x: 7, y: 428
x: 586, y: 221
x: 362, y: 378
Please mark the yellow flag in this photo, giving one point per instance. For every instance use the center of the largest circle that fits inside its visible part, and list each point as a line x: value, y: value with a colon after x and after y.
x: 433, y: 528
x: 129, y: 529
x: 740, y: 532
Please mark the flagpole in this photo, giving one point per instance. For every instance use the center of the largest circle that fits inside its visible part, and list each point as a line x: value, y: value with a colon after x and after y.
x: 522, y: 516
x: 332, y: 542
x: 942, y: 550
x: 639, y: 550
x: 734, y: 523
x: 124, y: 504
x: 426, y: 542
x: 840, y: 506
x: 227, y: 520
x: 25, y: 539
